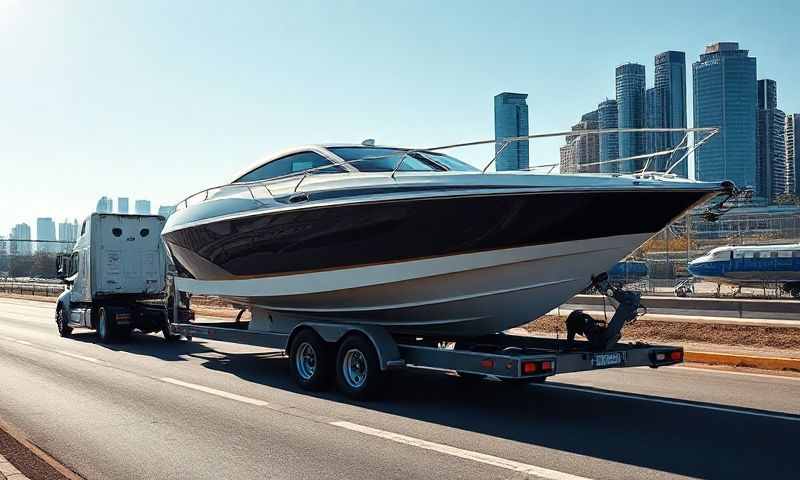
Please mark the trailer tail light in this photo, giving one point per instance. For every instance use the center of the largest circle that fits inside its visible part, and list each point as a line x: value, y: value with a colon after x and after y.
x: 530, y: 367
x: 668, y: 357
x: 487, y: 363
x: 676, y: 356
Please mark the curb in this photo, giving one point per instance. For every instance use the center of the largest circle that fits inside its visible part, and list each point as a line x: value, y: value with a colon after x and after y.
x: 43, y: 456
x: 10, y: 472
x: 766, y: 363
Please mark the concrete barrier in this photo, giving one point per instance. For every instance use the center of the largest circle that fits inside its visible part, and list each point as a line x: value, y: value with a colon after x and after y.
x: 752, y: 361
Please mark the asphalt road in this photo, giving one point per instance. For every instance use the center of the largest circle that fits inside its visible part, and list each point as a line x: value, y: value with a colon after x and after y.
x: 213, y: 410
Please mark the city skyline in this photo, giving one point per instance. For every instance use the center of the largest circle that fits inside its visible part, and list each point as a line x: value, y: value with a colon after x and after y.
x: 220, y: 106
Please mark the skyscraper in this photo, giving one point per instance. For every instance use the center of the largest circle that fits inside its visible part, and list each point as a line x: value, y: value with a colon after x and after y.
x: 670, y: 83
x: 587, y: 147
x: 105, y: 205
x: 792, y: 137
x: 3, y: 246
x: 725, y: 96
x: 771, y: 171
x: 20, y: 231
x: 67, y: 232
x: 166, y: 210
x: 122, y: 204
x: 609, y: 142
x: 142, y: 207
x: 46, y: 231
x: 630, y: 86
x: 511, y: 120
x: 654, y: 118
x: 567, y: 163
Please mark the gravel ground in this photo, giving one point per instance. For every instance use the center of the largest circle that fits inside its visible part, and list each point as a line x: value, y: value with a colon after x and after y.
x: 26, y: 462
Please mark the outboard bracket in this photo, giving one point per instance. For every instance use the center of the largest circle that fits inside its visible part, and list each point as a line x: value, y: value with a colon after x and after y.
x: 602, y: 335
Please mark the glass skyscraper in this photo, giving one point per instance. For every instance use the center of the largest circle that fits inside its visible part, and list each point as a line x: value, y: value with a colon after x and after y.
x: 792, y: 137
x: 725, y: 96
x: 511, y: 120
x: 122, y: 204
x: 46, y: 230
x: 771, y: 170
x: 670, y: 86
x: 630, y: 86
x: 105, y: 205
x: 609, y: 142
x: 142, y: 207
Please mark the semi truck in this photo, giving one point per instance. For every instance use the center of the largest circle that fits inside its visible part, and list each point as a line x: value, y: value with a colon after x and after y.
x: 117, y: 279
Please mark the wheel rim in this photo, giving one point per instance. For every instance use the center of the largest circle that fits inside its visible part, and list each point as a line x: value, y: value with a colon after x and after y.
x: 60, y: 319
x: 101, y: 324
x: 306, y: 361
x: 354, y: 368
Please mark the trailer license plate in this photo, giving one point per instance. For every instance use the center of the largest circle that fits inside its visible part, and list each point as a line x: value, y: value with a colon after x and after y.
x: 610, y: 359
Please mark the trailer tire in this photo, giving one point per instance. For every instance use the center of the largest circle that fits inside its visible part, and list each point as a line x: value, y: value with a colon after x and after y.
x: 61, y: 321
x: 105, y: 330
x: 358, y: 371
x: 310, y: 361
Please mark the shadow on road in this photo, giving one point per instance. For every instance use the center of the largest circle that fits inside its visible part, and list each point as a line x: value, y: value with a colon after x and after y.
x: 679, y: 439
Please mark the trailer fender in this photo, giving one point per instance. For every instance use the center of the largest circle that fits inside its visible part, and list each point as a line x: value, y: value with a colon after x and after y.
x: 388, y: 352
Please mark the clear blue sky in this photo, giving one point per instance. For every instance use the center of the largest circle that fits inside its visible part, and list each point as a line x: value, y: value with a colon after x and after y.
x: 157, y: 100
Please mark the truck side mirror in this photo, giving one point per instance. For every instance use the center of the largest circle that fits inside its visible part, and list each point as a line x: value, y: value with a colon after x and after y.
x: 62, y: 263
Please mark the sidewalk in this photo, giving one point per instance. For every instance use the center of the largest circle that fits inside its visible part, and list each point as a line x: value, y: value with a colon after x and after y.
x: 10, y: 472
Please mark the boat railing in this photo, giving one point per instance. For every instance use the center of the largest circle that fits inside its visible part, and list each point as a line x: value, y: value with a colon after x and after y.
x: 501, y: 145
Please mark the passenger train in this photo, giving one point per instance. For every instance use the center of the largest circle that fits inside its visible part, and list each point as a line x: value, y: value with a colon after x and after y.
x: 751, y: 266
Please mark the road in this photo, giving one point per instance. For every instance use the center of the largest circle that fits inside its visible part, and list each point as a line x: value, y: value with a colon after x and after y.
x: 214, y: 410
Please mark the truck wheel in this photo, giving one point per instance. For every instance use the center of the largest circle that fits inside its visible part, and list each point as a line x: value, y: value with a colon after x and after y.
x: 310, y: 361
x: 104, y: 327
x: 358, y: 373
x: 61, y: 322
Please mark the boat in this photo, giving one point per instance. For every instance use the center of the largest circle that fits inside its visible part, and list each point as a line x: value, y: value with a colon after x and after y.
x: 414, y: 240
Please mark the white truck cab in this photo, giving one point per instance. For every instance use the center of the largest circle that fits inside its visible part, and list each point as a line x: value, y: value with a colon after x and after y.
x: 117, y: 266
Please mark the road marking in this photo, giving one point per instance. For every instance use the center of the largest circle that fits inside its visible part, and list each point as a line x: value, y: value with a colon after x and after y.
x: 80, y: 357
x: 458, y: 452
x: 746, y: 374
x: 213, y: 391
x: 24, y: 342
x: 680, y: 403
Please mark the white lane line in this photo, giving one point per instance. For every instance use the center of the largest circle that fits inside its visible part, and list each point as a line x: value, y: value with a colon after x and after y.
x: 458, y: 452
x: 745, y: 374
x: 80, y: 357
x: 679, y: 403
x: 213, y: 391
x: 24, y: 342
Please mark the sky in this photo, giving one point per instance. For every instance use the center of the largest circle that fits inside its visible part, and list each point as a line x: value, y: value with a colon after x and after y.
x: 158, y: 100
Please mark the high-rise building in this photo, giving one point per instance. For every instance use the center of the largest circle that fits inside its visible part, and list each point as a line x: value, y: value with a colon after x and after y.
x: 771, y: 170
x: 791, y: 139
x: 122, y: 205
x: 46, y: 232
x: 587, y: 147
x: 670, y: 83
x: 3, y: 245
x: 725, y: 96
x: 19, y: 240
x: 166, y: 210
x: 142, y: 207
x: 105, y: 205
x: 654, y: 118
x: 630, y: 86
x: 511, y: 120
x: 67, y: 233
x: 609, y: 142
x: 566, y: 152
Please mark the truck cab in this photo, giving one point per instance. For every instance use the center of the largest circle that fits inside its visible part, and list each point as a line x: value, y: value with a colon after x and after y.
x: 115, y: 277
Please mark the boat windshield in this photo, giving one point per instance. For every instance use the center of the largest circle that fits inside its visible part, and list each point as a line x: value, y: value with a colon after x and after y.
x: 372, y: 159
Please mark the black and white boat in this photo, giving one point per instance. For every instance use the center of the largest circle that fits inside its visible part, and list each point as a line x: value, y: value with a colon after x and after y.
x: 414, y: 240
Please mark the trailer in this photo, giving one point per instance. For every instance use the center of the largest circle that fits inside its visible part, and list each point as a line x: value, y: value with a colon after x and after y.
x: 358, y: 357
x: 117, y: 279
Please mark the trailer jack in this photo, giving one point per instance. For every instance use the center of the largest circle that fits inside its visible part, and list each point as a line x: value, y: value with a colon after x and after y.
x: 601, y: 335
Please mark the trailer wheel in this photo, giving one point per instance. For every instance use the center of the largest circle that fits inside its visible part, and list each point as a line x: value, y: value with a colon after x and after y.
x: 61, y: 322
x: 310, y: 361
x: 358, y: 372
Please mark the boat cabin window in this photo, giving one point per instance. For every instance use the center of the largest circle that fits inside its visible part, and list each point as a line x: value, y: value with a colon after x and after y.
x: 295, y: 163
x: 369, y: 159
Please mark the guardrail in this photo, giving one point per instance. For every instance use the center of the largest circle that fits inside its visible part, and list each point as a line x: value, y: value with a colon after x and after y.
x: 33, y: 289
x: 703, y: 307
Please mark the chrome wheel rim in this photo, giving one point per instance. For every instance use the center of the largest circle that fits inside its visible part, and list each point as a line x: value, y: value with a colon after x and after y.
x: 354, y: 368
x: 306, y: 361
x: 60, y: 319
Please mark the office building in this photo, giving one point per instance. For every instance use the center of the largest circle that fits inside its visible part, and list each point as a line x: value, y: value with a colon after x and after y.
x: 511, y: 120
x: 586, y: 147
x: 67, y: 233
x: 105, y: 205
x: 791, y: 138
x: 654, y: 118
x: 19, y: 240
x: 122, y: 205
x: 630, y: 87
x: 670, y: 85
x: 771, y: 169
x: 166, y: 210
x: 46, y: 235
x: 3, y: 246
x: 609, y: 142
x: 724, y: 82
x: 142, y: 207
x: 567, y: 163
